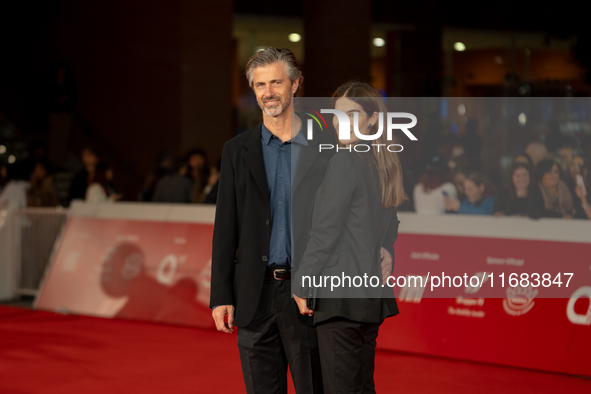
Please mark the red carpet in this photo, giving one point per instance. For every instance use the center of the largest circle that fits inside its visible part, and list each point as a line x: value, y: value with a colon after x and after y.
x: 48, y: 353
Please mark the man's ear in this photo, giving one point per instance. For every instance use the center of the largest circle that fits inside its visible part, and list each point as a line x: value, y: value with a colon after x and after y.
x: 294, y: 86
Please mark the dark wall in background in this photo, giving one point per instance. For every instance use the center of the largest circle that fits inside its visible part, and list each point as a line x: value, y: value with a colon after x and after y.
x: 337, y: 44
x: 26, y: 33
x: 415, y: 60
x: 125, y: 57
x: 150, y: 76
x: 207, y: 56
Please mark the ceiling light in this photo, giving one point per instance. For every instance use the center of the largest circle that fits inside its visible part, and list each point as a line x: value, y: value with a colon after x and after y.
x: 459, y: 46
x: 379, y: 42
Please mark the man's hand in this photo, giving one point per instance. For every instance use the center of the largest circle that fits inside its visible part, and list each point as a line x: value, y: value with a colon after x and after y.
x: 218, y: 314
x: 303, y: 306
x: 386, y: 264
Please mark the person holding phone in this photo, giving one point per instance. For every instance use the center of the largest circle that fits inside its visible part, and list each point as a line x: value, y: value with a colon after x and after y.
x: 354, y: 213
x: 581, y: 192
x: 432, y: 191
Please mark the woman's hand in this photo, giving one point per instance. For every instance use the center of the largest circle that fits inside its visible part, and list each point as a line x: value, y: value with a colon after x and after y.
x: 386, y: 265
x: 213, y: 177
x: 303, y: 306
x: 581, y: 193
x: 452, y: 205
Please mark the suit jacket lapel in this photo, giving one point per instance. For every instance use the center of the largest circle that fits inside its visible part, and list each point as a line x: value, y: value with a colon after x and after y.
x: 254, y: 160
x: 307, y: 156
x: 309, y: 153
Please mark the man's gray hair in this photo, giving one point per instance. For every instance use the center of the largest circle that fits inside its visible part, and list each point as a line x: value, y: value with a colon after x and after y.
x: 272, y: 55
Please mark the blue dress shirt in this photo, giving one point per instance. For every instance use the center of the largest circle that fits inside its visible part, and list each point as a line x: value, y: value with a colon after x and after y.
x: 280, y: 158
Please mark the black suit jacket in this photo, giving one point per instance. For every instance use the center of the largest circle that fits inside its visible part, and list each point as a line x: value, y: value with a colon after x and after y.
x: 349, y: 227
x: 242, y: 227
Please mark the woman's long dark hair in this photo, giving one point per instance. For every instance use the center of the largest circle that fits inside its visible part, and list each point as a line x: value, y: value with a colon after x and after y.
x: 545, y: 166
x: 388, y: 165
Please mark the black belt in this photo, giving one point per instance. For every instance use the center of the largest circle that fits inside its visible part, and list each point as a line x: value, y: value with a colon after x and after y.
x: 278, y: 273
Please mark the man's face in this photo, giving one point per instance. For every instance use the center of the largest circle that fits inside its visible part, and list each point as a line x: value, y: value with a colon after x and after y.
x: 89, y: 158
x: 536, y: 151
x: 196, y: 161
x: 39, y: 172
x: 273, y: 88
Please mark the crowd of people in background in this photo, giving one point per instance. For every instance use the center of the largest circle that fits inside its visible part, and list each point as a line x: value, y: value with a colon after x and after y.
x: 94, y: 183
x: 548, y: 179
x: 541, y: 183
x: 30, y: 182
x: 190, y: 179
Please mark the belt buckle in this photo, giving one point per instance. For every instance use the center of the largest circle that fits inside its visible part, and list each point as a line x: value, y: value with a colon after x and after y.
x: 278, y: 270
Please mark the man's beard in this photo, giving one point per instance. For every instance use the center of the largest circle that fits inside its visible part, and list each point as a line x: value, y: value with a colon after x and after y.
x: 276, y: 109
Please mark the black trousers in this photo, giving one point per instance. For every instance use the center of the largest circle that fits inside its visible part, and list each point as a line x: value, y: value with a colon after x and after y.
x: 276, y: 339
x: 347, y: 355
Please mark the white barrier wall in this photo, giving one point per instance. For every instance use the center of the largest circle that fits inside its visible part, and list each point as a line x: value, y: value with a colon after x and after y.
x: 411, y: 223
x: 573, y: 230
x: 182, y: 213
x: 565, y: 230
x: 7, y: 252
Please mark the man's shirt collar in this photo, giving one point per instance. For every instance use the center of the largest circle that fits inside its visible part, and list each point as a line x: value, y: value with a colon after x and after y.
x: 266, y: 136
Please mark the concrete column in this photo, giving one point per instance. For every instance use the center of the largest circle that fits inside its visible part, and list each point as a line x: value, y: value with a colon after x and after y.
x: 207, y: 53
x: 415, y: 57
x: 337, y: 44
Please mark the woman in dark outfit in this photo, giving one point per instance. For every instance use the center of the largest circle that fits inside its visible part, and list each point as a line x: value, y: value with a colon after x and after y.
x: 516, y: 199
x: 354, y: 213
x: 551, y: 197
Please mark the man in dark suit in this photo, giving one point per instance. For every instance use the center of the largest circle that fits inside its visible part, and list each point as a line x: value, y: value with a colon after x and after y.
x: 252, y: 256
x: 263, y: 172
